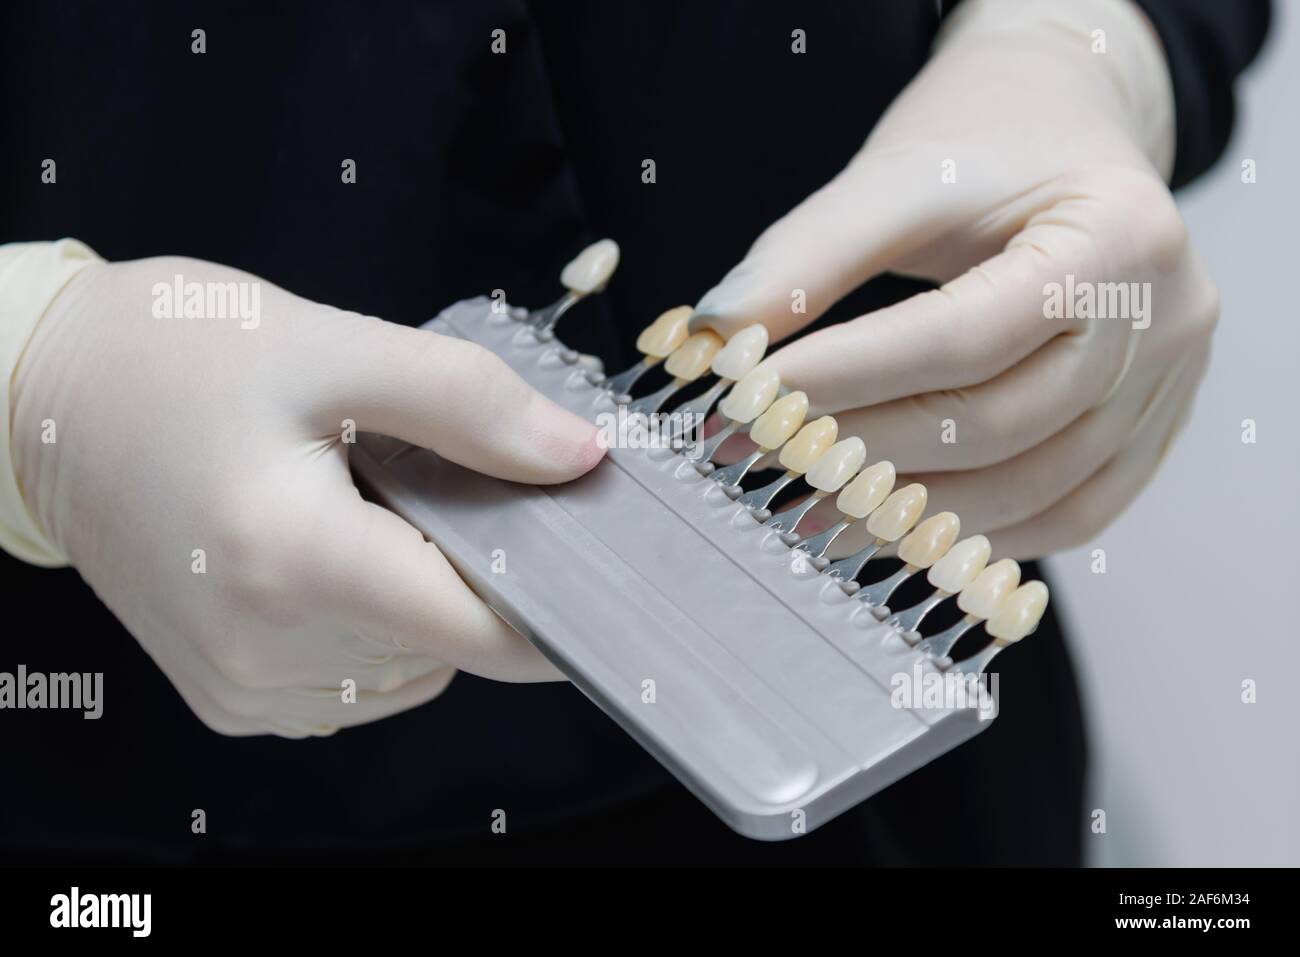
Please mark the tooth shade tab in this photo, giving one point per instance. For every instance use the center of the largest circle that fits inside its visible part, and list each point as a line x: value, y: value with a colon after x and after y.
x: 840, y: 463
x: 930, y: 540
x: 1019, y: 614
x: 693, y: 357
x: 893, y: 519
x: 590, y: 270
x: 864, y: 494
x: 985, y: 594
x: 782, y: 419
x: 742, y: 353
x: 751, y: 395
x: 809, y: 444
x: 963, y: 563
x: 665, y: 334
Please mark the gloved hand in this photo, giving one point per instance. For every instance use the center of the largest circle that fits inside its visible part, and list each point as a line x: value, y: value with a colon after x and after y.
x: 1017, y: 163
x: 180, y: 434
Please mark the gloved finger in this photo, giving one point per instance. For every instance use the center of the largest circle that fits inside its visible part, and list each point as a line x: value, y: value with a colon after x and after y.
x: 848, y: 231
x: 964, y: 333
x: 990, y: 422
x: 1087, y: 511
x: 1028, y: 484
x: 398, y: 589
x: 448, y: 395
x: 1017, y: 488
x: 1014, y: 491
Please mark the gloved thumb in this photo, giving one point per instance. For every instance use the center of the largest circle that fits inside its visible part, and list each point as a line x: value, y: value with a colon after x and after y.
x: 451, y: 396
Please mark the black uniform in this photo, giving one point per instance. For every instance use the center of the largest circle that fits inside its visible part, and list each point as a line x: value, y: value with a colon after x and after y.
x: 477, y: 171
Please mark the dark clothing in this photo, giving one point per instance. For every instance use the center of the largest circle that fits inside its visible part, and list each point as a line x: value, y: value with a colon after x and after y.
x: 478, y: 171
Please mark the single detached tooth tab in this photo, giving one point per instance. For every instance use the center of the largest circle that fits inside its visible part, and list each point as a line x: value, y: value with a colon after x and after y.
x: 809, y: 444
x: 782, y: 419
x: 893, y: 519
x: 741, y: 354
x: 590, y: 270
x: 840, y: 463
x: 930, y: 540
x: 1019, y: 614
x: 864, y: 494
x: 586, y: 273
x: 750, y: 396
x: 961, y: 566
x: 982, y: 597
x: 663, y: 336
x: 693, y: 357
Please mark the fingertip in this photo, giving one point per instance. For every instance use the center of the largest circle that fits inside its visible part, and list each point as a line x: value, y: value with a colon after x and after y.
x: 567, y: 445
x: 586, y: 456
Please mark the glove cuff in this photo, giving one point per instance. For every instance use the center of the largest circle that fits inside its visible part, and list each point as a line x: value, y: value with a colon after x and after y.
x: 31, y: 276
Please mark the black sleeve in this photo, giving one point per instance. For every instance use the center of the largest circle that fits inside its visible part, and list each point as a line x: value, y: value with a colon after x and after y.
x: 1207, y: 43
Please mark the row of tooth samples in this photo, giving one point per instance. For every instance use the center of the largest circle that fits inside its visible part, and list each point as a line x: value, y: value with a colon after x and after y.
x: 988, y: 594
x: 991, y: 594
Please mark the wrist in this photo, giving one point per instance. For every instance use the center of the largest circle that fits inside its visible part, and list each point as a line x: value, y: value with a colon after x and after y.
x: 1109, y: 48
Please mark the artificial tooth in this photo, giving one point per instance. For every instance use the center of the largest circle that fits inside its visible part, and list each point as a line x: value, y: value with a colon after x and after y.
x: 687, y: 363
x: 750, y: 397
x: 980, y: 599
x: 889, y: 522
x: 1020, y: 614
x: 892, y: 520
x: 657, y: 341
x: 1015, y: 618
x: 856, y: 501
x: 735, y: 360
x: 770, y: 431
x: 773, y: 428
x: 920, y: 549
x: 693, y: 357
x: 662, y: 337
x: 841, y: 462
x: 590, y: 270
x: 930, y: 541
x: 586, y: 273
x: 746, y: 401
x: 864, y: 494
x: 961, y: 566
x: 826, y: 475
x: 742, y: 353
x: 798, y: 456
x: 949, y: 575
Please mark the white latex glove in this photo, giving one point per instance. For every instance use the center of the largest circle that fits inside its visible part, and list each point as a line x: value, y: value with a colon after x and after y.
x: 177, y: 434
x: 1057, y: 155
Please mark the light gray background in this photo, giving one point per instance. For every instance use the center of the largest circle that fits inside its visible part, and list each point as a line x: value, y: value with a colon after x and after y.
x: 1202, y: 589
